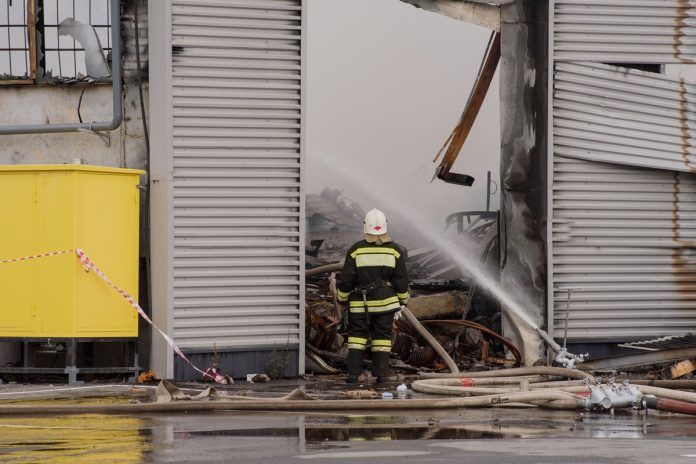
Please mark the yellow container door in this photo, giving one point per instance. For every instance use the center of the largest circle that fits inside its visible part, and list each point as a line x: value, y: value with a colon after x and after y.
x: 55, y: 276
x: 17, y: 224
x: 107, y: 230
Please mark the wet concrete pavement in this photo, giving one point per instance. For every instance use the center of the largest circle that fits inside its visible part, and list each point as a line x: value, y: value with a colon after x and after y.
x: 468, y: 436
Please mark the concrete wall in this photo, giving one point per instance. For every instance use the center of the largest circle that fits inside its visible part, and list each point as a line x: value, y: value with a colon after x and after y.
x: 45, y: 104
x: 523, y: 97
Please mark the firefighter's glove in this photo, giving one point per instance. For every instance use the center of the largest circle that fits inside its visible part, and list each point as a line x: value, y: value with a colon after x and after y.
x: 398, y: 314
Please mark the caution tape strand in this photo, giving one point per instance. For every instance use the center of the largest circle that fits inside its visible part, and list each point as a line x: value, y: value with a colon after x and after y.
x: 89, y: 265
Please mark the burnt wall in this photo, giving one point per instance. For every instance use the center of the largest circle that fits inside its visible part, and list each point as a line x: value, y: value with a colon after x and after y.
x: 523, y: 164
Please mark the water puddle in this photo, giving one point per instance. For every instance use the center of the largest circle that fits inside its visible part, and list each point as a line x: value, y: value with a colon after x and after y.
x: 184, y: 437
x: 73, y: 440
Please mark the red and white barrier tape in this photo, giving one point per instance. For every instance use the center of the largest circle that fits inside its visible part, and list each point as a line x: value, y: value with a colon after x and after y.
x: 88, y: 265
x: 42, y: 255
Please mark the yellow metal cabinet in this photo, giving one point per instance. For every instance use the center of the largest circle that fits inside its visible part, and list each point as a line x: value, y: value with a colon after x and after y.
x: 47, y: 208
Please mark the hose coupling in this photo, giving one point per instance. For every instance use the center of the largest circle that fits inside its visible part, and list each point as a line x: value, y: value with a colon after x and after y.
x: 612, y: 396
x: 648, y: 402
x: 569, y: 360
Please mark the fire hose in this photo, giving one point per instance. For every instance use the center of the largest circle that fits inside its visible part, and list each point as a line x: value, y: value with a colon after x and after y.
x: 550, y: 399
x: 521, y: 387
x: 595, y: 394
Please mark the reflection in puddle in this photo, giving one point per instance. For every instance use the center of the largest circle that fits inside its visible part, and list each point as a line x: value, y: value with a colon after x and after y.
x: 317, y: 430
x: 73, y: 439
x: 352, y: 433
x: 193, y: 437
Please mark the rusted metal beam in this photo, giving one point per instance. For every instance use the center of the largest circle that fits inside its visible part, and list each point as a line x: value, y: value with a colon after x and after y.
x: 480, y: 13
x: 456, y: 140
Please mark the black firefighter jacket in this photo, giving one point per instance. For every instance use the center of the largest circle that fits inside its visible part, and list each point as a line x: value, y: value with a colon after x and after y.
x: 380, y: 270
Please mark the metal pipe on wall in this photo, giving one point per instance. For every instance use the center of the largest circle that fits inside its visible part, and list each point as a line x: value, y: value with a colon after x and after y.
x: 99, y: 126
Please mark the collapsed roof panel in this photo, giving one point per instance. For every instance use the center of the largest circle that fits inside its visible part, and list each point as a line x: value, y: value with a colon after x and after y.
x: 482, y: 13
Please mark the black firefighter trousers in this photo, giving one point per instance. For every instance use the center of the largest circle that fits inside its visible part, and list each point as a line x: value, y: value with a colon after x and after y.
x: 378, y: 333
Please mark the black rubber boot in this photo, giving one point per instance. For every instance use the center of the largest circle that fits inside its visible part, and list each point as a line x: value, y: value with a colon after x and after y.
x: 380, y: 366
x: 355, y: 364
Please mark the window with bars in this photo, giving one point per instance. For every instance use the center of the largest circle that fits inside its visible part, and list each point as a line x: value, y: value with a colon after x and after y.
x: 54, y: 41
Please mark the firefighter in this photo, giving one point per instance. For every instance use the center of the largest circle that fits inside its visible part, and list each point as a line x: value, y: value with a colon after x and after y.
x: 374, y: 284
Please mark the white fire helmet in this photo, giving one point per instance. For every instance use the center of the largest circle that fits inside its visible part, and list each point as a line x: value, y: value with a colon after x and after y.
x: 375, y: 223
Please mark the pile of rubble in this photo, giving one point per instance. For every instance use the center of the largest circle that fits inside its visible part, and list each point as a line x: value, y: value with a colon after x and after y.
x: 463, y: 320
x: 441, y: 305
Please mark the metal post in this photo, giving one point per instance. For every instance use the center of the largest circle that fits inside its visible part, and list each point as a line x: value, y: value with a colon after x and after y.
x: 488, y: 192
x: 569, y: 293
x: 565, y: 334
x: 136, y: 367
x: 25, y: 354
x: 71, y: 361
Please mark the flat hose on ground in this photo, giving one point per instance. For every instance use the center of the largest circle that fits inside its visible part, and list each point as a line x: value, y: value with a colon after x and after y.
x: 668, y: 393
x: 517, y: 371
x: 500, y: 381
x: 551, y: 399
x: 472, y: 384
x: 438, y: 387
x: 469, y: 387
x: 427, y: 336
x: 661, y: 404
x: 648, y: 387
x: 673, y: 384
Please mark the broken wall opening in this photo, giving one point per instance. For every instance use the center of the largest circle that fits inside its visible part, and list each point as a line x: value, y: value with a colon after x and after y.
x: 400, y: 103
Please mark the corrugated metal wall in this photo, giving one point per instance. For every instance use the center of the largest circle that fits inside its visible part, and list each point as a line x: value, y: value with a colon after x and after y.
x: 623, y: 237
x: 625, y: 31
x: 236, y: 98
x: 622, y: 204
x: 611, y: 114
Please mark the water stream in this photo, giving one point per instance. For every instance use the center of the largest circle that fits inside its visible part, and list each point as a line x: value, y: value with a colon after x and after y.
x: 517, y: 304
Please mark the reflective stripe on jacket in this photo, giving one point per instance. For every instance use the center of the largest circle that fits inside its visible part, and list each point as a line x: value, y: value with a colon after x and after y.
x: 380, y: 270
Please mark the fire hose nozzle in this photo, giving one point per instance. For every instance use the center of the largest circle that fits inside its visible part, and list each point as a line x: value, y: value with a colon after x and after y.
x: 563, y: 356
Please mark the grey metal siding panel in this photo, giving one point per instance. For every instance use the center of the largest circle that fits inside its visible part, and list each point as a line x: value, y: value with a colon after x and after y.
x: 625, y: 31
x: 622, y: 202
x: 275, y: 361
x: 623, y: 238
x: 612, y: 114
x: 236, y: 89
